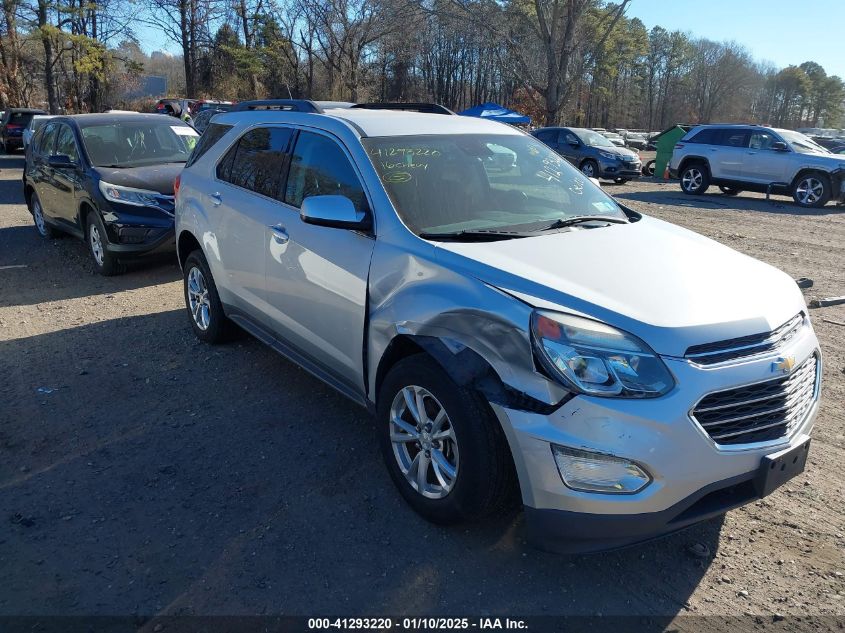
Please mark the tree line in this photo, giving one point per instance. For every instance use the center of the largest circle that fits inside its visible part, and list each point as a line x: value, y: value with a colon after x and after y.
x: 579, y: 62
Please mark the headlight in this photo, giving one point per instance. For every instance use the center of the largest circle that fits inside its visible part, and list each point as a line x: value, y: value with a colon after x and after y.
x: 128, y: 195
x: 609, y: 155
x: 596, y: 359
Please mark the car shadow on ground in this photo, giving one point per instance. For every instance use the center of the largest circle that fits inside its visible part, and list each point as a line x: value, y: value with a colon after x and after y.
x: 713, y: 201
x: 145, y: 472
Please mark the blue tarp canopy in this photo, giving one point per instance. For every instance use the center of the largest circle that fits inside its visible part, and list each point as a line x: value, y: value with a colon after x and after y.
x: 495, y: 112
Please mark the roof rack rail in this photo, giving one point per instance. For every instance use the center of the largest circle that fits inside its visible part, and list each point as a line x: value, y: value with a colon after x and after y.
x: 293, y: 105
x: 428, y: 108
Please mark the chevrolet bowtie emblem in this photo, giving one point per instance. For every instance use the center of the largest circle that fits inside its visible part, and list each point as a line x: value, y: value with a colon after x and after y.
x: 783, y: 365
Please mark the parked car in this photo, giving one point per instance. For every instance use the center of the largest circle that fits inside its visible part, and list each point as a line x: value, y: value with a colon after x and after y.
x: 828, y: 142
x: 614, y: 138
x: 754, y: 158
x: 636, y: 140
x: 203, y: 117
x: 34, y: 123
x: 505, y: 320
x: 12, y: 125
x: 107, y: 178
x: 592, y: 153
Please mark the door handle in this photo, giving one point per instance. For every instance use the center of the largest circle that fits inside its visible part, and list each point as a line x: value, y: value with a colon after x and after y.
x: 216, y: 199
x: 280, y: 235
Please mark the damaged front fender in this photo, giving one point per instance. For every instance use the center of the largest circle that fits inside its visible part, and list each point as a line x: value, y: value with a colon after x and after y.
x: 446, y: 314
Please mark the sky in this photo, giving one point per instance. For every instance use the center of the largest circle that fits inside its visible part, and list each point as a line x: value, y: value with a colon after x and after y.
x: 783, y: 32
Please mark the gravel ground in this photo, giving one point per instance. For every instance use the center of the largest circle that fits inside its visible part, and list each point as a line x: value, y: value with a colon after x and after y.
x: 142, y: 472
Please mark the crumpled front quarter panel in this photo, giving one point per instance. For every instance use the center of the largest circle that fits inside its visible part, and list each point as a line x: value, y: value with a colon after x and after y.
x: 411, y: 294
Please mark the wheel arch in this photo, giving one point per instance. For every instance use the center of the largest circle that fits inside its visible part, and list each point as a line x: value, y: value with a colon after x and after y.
x: 806, y: 171
x: 185, y: 245
x: 689, y: 160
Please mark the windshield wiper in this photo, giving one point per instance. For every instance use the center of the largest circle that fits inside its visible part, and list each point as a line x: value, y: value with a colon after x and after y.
x: 481, y: 235
x: 581, y: 219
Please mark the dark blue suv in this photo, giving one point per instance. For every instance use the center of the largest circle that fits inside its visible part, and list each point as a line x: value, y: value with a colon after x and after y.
x: 592, y: 153
x: 108, y: 179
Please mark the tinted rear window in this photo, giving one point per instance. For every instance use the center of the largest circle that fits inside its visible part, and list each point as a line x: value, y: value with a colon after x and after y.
x: 20, y: 118
x: 213, y: 133
x: 256, y: 163
x: 706, y: 136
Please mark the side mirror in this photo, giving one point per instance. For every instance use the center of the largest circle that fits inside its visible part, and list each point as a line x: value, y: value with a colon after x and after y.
x: 574, y: 144
x: 60, y: 161
x: 334, y: 211
x: 780, y: 146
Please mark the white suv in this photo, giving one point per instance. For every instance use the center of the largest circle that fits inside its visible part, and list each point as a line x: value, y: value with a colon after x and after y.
x: 504, y: 319
x: 754, y: 158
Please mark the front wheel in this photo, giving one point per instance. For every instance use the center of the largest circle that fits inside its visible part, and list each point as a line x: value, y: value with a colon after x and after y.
x: 811, y: 190
x: 695, y: 179
x: 443, y: 446
x: 590, y: 169
x: 621, y: 181
x: 105, y: 262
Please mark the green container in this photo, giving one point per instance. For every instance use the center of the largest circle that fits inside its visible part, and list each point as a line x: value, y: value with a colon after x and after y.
x: 665, y: 142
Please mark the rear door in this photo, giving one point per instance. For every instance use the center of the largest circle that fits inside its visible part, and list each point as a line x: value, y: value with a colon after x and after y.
x: 243, y: 204
x: 728, y: 161
x: 764, y: 165
x: 42, y: 174
x: 316, y: 275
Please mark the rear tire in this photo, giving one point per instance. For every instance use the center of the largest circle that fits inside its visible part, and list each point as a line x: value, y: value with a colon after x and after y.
x: 106, y: 263
x: 44, y: 230
x: 205, y: 311
x: 811, y: 190
x: 621, y: 181
x: 648, y: 168
x: 469, y: 472
x: 695, y: 179
x: 729, y: 191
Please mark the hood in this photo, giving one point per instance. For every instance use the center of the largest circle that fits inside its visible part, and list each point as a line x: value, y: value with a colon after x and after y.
x: 620, y: 151
x: 671, y: 287
x: 151, y: 177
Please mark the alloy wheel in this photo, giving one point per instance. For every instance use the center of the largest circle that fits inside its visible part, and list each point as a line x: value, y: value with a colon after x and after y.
x: 587, y: 170
x: 96, y: 242
x: 38, y: 215
x: 809, y: 190
x: 198, y: 301
x: 691, y: 179
x: 424, y: 442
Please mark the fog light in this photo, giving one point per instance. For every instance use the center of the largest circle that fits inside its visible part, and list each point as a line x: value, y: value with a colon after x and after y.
x: 594, y: 472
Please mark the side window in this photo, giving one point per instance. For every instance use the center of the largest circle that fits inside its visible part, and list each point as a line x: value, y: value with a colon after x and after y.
x: 571, y: 139
x: 547, y: 136
x: 319, y: 167
x: 257, y: 161
x: 731, y: 137
x: 762, y: 140
x: 66, y: 144
x: 213, y: 133
x: 707, y: 136
x: 48, y: 138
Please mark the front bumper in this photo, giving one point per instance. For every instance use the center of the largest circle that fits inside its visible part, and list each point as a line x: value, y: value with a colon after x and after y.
x: 136, y: 233
x: 693, y: 478
x: 613, y: 169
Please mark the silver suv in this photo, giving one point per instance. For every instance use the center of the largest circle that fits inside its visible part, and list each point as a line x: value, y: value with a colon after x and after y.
x: 510, y: 325
x: 754, y: 158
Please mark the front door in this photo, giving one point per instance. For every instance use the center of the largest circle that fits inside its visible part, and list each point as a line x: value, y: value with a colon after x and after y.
x: 764, y: 165
x: 67, y: 181
x: 316, y: 275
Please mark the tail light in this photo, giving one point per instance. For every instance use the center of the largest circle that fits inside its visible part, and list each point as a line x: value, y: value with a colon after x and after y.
x: 176, y: 184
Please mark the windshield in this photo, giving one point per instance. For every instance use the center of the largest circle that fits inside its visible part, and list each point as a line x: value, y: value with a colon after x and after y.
x: 135, y: 144
x: 594, y: 139
x: 802, y: 144
x: 474, y: 182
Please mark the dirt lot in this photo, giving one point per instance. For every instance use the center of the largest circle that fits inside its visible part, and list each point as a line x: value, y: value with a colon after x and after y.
x: 142, y: 472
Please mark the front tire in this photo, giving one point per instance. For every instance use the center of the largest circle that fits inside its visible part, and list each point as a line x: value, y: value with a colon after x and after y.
x: 621, y: 181
x: 106, y: 263
x: 811, y: 191
x: 695, y: 179
x: 443, y: 446
x: 590, y: 168
x: 205, y: 311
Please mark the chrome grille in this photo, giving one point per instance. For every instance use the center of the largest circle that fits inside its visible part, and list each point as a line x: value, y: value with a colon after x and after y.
x: 760, y: 412
x: 744, y: 346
